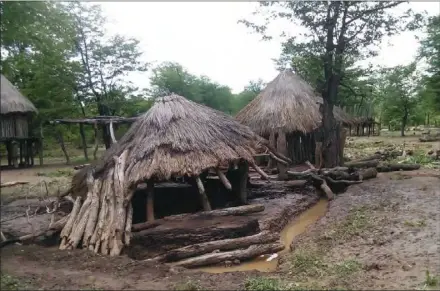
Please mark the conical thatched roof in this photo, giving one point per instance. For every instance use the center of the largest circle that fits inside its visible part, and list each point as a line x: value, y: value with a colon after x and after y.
x: 287, y: 102
x: 179, y: 137
x: 339, y: 114
x: 12, y: 101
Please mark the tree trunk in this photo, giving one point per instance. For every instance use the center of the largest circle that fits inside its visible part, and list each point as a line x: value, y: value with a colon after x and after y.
x: 282, y: 148
x: 404, y: 121
x: 83, y: 141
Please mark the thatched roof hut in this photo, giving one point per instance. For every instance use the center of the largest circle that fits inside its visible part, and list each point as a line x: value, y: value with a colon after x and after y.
x: 178, y: 137
x: 175, y: 138
x: 288, y: 102
x: 12, y: 101
x: 288, y: 106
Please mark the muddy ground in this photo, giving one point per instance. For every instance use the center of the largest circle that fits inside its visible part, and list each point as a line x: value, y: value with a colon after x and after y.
x: 382, y: 234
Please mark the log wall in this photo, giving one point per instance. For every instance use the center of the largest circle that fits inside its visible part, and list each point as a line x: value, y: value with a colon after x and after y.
x: 14, y: 125
x: 301, y: 147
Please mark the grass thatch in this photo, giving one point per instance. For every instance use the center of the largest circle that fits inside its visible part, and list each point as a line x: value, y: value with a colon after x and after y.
x: 12, y: 101
x: 178, y: 137
x: 287, y: 102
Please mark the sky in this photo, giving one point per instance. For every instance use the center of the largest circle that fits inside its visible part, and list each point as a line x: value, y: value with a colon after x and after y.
x: 205, y: 38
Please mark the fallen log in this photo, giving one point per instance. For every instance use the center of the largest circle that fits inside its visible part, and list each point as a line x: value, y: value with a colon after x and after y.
x: 12, y: 184
x: 362, y: 164
x: 221, y: 245
x: 397, y: 167
x: 78, y: 167
x: 233, y: 211
x: 53, y: 228
x: 144, y: 225
x: 368, y: 173
x: 215, y: 258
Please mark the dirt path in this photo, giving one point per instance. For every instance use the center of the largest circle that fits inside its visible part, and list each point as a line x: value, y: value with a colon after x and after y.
x: 382, y: 234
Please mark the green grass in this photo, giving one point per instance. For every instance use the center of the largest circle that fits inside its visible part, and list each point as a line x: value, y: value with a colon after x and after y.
x: 189, y: 285
x: 347, y: 268
x: 262, y: 283
x: 8, y: 282
x: 307, y: 263
x: 431, y: 281
x: 418, y: 223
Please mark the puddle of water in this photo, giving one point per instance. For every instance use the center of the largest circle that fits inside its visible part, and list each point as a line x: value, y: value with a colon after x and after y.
x: 290, y: 231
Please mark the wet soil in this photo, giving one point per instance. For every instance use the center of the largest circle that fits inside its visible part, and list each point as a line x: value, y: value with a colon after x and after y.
x: 394, y: 237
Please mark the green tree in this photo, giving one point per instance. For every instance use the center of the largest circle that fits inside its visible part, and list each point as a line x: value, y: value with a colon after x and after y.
x: 104, y: 61
x: 171, y: 77
x: 247, y: 95
x: 430, y: 52
x: 400, y: 94
x: 37, y: 49
x: 336, y: 31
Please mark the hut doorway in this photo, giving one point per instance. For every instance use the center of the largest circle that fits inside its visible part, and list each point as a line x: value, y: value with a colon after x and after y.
x: 171, y: 198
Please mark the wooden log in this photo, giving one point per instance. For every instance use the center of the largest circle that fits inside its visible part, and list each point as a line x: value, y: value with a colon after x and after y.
x: 278, y: 159
x: 362, y: 164
x: 221, y: 245
x: 150, y: 201
x: 368, y: 173
x: 232, y: 211
x: 203, y: 198
x: 215, y: 258
x: 67, y: 229
x: 12, y: 184
x: 397, y: 167
x: 224, y: 179
x: 260, y: 171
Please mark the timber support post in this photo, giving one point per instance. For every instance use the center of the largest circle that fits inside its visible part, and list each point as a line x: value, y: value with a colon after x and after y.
x: 282, y: 149
x: 243, y: 171
x: 150, y: 201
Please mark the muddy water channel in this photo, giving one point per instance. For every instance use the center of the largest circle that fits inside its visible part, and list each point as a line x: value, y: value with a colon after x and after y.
x: 294, y: 228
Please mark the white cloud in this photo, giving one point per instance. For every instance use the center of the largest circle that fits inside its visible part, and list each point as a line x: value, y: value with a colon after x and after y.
x: 205, y: 38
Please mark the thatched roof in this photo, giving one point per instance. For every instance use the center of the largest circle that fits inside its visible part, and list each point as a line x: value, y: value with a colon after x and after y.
x: 179, y: 137
x: 288, y: 102
x: 12, y: 101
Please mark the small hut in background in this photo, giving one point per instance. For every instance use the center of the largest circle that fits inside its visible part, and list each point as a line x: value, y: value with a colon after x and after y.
x: 287, y: 111
x: 176, y: 139
x: 16, y: 114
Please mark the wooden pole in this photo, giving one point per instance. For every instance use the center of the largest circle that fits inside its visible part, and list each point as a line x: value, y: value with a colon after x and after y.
x: 83, y: 141
x: 14, y: 154
x: 63, y: 147
x: 243, y: 171
x: 150, y: 201
x: 272, y: 142
x: 95, y: 126
x: 204, y: 199
x: 282, y: 148
x: 40, y: 145
x: 112, y: 133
